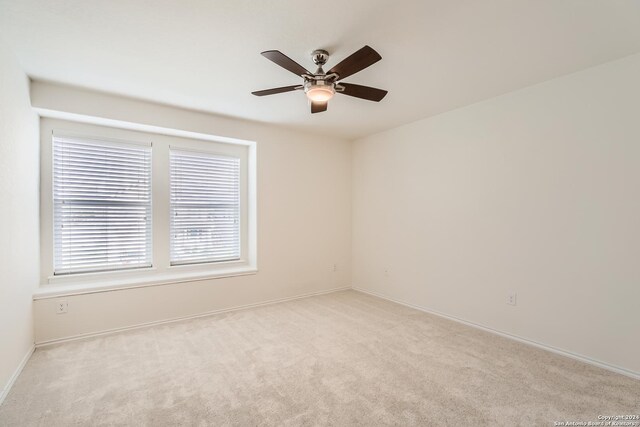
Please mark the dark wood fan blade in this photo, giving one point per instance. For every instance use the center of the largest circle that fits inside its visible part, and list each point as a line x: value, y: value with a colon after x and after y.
x: 318, y: 107
x: 358, y: 61
x: 275, y: 90
x: 364, y: 92
x: 285, y: 62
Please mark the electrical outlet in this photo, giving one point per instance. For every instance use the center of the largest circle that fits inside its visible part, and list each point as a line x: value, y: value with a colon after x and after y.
x: 335, y: 267
x: 62, y: 306
x: 512, y: 298
x: 386, y: 272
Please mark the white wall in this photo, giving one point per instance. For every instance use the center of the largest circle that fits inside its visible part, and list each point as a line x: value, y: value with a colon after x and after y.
x: 535, y: 191
x: 19, y: 246
x: 304, y: 220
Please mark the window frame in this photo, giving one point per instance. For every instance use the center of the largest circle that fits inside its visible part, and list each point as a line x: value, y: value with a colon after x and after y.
x: 161, y: 272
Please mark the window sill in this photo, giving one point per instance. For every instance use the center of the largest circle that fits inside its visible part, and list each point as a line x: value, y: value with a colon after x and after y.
x: 56, y: 291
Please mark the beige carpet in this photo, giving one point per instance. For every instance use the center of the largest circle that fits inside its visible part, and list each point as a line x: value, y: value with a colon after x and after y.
x: 338, y: 359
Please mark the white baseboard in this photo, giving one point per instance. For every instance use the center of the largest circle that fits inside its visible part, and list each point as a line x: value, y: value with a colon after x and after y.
x: 183, y: 318
x: 16, y: 374
x: 579, y: 357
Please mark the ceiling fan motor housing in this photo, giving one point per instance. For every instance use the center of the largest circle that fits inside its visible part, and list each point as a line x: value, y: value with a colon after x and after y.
x: 319, y: 87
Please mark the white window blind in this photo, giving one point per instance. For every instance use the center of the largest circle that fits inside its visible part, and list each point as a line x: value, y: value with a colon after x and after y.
x: 102, y: 205
x: 205, y: 207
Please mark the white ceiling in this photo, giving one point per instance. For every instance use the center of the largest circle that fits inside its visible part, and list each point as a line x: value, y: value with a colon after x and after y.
x: 205, y: 54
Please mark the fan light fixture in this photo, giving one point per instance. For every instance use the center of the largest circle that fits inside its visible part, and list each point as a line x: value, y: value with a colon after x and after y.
x: 319, y: 92
x: 321, y: 86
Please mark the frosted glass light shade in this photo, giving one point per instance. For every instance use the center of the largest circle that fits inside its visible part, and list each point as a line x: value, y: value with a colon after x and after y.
x: 320, y: 93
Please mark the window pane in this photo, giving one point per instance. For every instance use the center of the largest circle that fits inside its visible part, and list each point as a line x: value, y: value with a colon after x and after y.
x: 102, y: 205
x: 205, y: 207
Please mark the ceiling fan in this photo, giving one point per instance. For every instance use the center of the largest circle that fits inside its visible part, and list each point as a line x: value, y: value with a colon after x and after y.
x: 320, y: 86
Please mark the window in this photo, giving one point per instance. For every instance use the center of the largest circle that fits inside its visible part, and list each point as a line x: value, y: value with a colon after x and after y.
x: 101, y: 205
x: 205, y: 207
x: 127, y: 208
